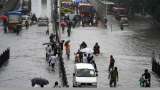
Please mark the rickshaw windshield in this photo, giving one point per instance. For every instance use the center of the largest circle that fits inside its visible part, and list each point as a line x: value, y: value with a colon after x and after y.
x: 14, y: 18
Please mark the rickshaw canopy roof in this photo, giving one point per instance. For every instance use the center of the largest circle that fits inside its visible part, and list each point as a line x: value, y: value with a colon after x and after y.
x: 14, y: 13
x: 22, y: 11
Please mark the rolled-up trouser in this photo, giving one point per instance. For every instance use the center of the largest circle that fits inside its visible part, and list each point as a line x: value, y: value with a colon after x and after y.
x: 112, y: 81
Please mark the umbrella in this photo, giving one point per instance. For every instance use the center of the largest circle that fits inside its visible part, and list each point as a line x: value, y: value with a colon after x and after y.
x: 39, y: 81
x: 87, y: 50
x: 63, y: 23
x: 4, y: 18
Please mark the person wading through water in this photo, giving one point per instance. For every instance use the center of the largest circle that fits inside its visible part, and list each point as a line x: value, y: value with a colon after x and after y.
x: 147, y: 78
x: 113, y: 77
x: 27, y: 24
x: 69, y: 28
x: 96, y: 49
x: 111, y: 65
x: 67, y: 49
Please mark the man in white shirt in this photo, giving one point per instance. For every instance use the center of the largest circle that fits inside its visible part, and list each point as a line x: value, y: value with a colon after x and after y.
x: 48, y: 50
x: 52, y: 61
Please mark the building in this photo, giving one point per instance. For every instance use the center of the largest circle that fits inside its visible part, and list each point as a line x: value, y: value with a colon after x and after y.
x: 103, y: 8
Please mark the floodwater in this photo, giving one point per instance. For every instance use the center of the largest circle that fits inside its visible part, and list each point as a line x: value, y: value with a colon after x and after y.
x: 132, y: 49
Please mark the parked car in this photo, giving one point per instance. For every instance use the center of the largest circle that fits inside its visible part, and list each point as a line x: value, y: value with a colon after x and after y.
x: 84, y: 75
x: 43, y: 21
x: 26, y: 18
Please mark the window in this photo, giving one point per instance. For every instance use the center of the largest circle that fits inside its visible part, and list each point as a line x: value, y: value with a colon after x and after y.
x: 85, y: 73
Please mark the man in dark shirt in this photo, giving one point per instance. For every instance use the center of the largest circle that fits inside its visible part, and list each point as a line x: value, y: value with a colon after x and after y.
x: 147, y: 78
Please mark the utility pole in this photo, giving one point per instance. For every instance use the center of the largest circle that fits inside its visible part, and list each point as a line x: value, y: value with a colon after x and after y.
x: 106, y: 7
x: 52, y: 16
x: 56, y: 19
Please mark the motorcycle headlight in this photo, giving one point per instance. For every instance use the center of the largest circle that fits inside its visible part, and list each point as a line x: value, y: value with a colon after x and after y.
x: 94, y: 84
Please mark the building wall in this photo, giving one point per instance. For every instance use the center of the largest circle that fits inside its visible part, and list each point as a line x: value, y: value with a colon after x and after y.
x: 8, y: 5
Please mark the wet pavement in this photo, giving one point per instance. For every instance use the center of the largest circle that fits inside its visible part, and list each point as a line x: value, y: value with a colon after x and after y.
x: 132, y: 49
x: 27, y: 59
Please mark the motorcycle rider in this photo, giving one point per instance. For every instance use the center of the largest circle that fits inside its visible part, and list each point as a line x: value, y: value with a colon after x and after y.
x: 105, y: 21
x: 111, y: 65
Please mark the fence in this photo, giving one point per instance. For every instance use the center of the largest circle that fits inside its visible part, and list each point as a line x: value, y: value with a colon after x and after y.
x: 63, y: 72
x: 4, y: 56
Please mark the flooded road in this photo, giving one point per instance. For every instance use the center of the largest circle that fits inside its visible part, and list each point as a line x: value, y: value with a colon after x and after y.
x: 132, y: 49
